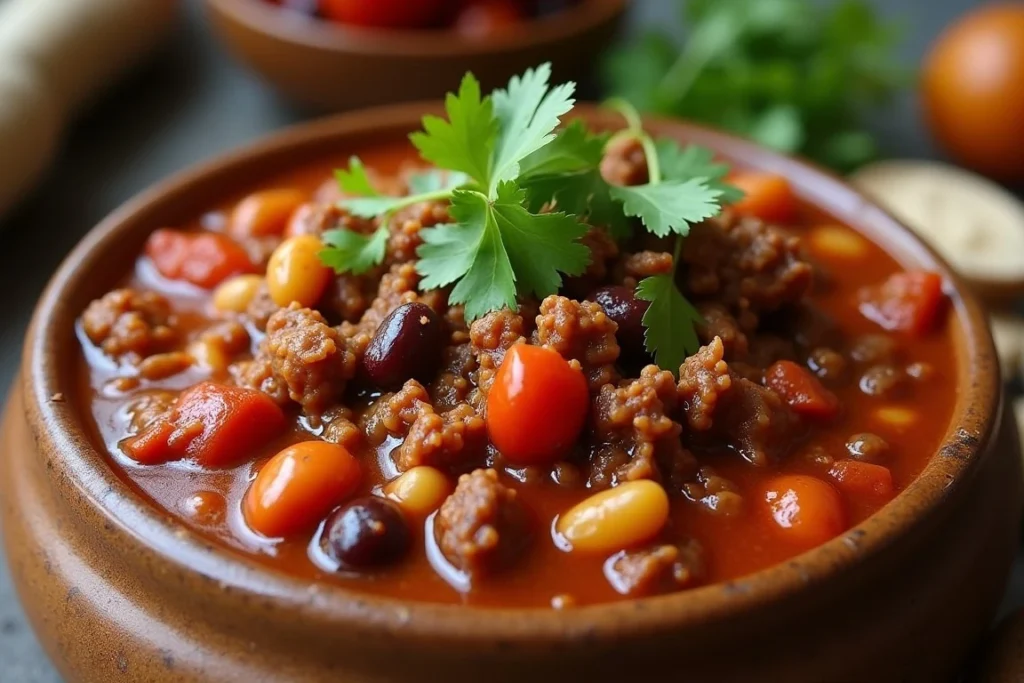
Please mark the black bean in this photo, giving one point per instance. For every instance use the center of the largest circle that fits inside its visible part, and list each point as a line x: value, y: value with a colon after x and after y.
x: 367, y: 532
x: 407, y: 345
x: 867, y: 447
x: 621, y: 305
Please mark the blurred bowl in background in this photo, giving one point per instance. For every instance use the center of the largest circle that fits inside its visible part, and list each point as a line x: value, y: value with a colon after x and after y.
x: 329, y: 66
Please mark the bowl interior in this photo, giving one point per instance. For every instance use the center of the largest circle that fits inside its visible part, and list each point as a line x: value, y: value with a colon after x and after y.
x: 101, y: 260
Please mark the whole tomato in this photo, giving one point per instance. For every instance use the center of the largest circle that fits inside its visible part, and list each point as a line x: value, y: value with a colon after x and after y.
x: 973, y: 90
x: 386, y: 13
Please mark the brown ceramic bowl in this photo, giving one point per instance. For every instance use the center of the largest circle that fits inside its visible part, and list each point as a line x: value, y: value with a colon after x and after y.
x: 118, y: 591
x: 333, y: 67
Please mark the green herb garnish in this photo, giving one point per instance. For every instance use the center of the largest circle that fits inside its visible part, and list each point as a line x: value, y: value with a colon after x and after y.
x: 790, y: 74
x: 522, y: 193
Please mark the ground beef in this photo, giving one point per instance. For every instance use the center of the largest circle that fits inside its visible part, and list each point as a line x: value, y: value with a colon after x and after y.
x: 480, y: 527
x: 443, y: 440
x: 448, y: 390
x: 258, y: 374
x: 340, y: 428
x: 715, y: 493
x: 624, y: 162
x: 392, y: 414
x: 765, y: 349
x: 603, y: 250
x: 703, y: 378
x: 146, y: 408
x: 320, y: 217
x: 867, y: 447
x: 397, y: 287
x: 636, y: 267
x: 261, y: 308
x: 309, y: 356
x: 347, y: 296
x: 718, y: 322
x: 490, y: 337
x: 455, y: 319
x: 632, y: 420
x: 744, y: 263
x: 405, y: 228
x: 753, y: 421
x: 660, y: 569
x: 130, y: 324
x: 582, y: 331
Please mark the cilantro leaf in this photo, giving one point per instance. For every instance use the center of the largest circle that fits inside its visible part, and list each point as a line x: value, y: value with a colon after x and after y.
x: 466, y: 141
x: 528, y: 112
x: 539, y: 246
x: 497, y: 249
x: 583, y: 193
x: 434, y: 180
x: 371, y: 207
x: 669, y: 321
x: 693, y: 161
x: 573, y: 149
x: 470, y: 253
x: 354, y: 180
x: 353, y: 252
x: 669, y: 206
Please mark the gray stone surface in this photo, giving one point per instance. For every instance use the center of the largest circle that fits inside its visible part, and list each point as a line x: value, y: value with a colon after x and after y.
x: 190, y: 104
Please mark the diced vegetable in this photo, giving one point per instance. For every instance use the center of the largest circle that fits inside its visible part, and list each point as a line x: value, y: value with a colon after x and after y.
x: 265, y: 213
x: 537, y: 406
x: 807, y: 511
x: 214, y: 424
x: 801, y: 390
x: 765, y: 195
x: 906, y: 302
x: 295, y: 272
x: 203, y: 258
x: 862, y: 479
x: 299, y: 486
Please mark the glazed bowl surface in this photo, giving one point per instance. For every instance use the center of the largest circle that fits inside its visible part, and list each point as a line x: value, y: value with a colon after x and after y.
x: 331, y: 67
x: 113, y: 586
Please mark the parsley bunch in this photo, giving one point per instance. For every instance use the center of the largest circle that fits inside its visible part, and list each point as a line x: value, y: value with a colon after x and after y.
x: 790, y: 74
x: 522, y: 192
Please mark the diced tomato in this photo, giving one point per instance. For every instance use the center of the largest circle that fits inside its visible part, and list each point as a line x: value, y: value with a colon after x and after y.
x: 484, y: 18
x: 765, y: 195
x: 385, y: 13
x: 537, y: 405
x: 203, y: 258
x: 863, y: 479
x: 906, y: 302
x: 801, y: 390
x: 214, y: 424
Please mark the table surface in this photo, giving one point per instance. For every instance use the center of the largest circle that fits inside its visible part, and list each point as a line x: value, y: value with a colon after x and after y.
x: 192, y: 102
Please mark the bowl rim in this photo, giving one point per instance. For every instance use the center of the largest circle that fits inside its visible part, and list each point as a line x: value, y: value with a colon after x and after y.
x: 334, y: 37
x: 60, y: 431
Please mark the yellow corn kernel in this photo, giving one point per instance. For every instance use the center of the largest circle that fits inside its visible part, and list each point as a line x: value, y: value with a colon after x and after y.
x: 839, y: 242
x: 618, y: 518
x: 295, y: 272
x: 420, y: 490
x: 234, y: 294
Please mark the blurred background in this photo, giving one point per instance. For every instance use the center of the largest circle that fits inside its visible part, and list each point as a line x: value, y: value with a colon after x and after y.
x: 101, y: 98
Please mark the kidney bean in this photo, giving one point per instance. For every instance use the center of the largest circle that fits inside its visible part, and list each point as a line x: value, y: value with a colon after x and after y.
x: 407, y: 345
x: 367, y: 532
x: 621, y: 305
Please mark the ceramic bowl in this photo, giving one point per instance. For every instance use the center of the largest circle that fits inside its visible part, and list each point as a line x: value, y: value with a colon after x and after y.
x: 118, y: 591
x: 331, y: 67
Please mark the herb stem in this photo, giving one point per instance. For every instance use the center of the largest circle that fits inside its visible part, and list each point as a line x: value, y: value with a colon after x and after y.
x: 417, y: 198
x: 635, y: 129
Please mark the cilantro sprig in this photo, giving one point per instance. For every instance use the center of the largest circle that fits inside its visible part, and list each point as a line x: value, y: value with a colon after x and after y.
x: 522, y: 190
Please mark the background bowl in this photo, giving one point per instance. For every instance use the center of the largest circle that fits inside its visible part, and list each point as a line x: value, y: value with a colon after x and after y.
x: 117, y: 589
x: 329, y: 66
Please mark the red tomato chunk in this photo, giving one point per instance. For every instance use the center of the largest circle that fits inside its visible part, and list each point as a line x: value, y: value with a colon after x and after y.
x: 801, y: 390
x: 214, y: 424
x: 862, y: 479
x: 906, y: 302
x: 205, y: 259
x: 806, y: 511
x: 765, y: 195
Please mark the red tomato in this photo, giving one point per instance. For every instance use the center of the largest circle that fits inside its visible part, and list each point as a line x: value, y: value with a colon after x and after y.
x: 384, y: 13
x: 484, y: 18
x: 537, y: 405
x: 801, y: 390
x: 214, y: 424
x: 203, y: 258
x: 906, y: 302
x: 766, y: 196
x: 863, y: 479
x: 299, y: 486
x: 807, y: 511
